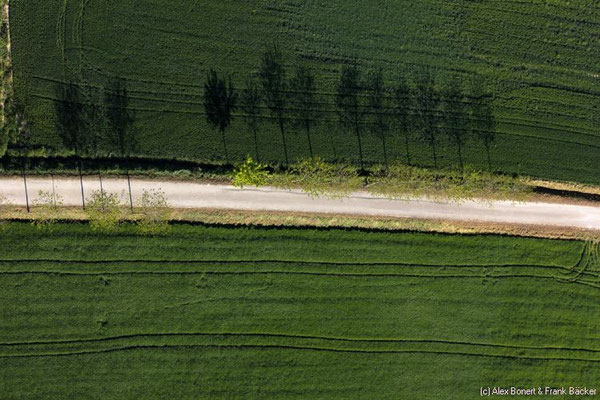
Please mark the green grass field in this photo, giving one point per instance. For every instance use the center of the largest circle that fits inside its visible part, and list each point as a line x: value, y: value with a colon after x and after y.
x: 215, y: 312
x: 539, y: 59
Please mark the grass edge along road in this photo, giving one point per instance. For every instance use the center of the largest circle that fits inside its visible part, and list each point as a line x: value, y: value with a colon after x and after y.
x: 251, y: 312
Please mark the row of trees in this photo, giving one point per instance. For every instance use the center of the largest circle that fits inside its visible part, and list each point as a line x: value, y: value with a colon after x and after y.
x: 105, y: 214
x: 94, y: 121
x: 91, y: 121
x: 363, y: 102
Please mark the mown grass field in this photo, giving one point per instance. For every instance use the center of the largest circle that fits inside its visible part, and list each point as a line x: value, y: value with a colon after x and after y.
x: 539, y: 59
x: 215, y: 312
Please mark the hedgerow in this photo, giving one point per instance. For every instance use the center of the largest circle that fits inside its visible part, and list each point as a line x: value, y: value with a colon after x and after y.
x: 319, y: 178
x: 402, y: 182
x: 397, y: 181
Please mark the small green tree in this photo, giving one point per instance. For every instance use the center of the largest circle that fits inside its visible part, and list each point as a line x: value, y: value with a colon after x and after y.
x: 104, y: 211
x: 155, y: 213
x: 220, y: 100
x: 250, y: 173
x: 46, y: 210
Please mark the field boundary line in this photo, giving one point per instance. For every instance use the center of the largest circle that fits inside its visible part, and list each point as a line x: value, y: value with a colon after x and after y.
x: 297, y: 336
x: 337, y: 275
x: 291, y: 347
x: 274, y: 261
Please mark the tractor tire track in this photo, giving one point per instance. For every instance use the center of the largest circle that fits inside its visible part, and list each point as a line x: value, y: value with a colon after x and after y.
x: 291, y: 347
x: 295, y: 336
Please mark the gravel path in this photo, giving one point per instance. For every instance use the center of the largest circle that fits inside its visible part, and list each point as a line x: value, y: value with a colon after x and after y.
x: 196, y: 195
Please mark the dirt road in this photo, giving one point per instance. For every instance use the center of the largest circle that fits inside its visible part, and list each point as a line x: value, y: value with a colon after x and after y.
x: 195, y: 195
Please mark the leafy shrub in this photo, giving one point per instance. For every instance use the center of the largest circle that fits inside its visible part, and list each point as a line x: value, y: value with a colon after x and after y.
x: 46, y: 211
x: 154, y: 213
x: 319, y: 178
x: 250, y: 173
x: 104, y: 212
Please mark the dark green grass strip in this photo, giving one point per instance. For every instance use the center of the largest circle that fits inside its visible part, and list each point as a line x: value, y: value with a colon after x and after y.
x: 253, y: 262
x: 334, y: 274
x: 337, y: 275
x: 332, y: 263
